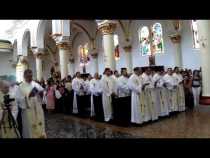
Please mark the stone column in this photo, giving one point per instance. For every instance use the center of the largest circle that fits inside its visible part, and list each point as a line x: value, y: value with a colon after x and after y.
x: 21, y: 66
x: 94, y: 63
x: 107, y: 30
x: 63, y: 57
x: 176, y: 40
x: 204, y: 40
x: 39, y: 66
x: 71, y: 65
x: 128, y: 58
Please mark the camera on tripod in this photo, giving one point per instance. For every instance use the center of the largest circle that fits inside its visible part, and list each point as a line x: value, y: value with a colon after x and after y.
x: 8, y: 100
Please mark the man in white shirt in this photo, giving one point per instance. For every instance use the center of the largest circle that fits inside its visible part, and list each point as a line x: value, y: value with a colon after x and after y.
x: 151, y: 110
x: 96, y: 98
x: 171, y: 84
x: 180, y: 89
x: 122, y: 109
x: 135, y: 85
x: 107, y: 86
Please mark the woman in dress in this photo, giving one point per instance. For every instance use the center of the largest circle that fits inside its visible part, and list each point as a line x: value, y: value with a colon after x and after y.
x: 189, y: 102
x: 196, y: 87
x: 50, y: 96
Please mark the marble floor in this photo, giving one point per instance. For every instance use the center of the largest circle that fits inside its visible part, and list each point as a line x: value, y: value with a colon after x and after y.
x: 189, y: 124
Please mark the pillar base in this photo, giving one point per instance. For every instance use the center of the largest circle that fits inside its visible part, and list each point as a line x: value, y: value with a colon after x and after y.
x: 205, y: 100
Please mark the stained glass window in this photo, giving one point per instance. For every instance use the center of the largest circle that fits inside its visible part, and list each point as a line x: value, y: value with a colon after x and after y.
x: 195, y: 34
x: 84, y: 55
x: 144, y: 36
x: 157, y: 38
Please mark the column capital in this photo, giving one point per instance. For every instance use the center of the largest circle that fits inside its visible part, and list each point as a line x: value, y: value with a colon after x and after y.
x: 23, y: 60
x: 108, y: 27
x: 177, y: 24
x: 127, y: 48
x: 176, y: 38
x: 64, y: 45
x: 38, y: 52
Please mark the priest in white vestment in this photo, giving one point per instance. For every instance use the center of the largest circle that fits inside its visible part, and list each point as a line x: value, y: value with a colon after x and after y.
x: 108, y: 90
x: 161, y: 94
x: 151, y: 109
x: 180, y: 89
x: 30, y: 102
x: 79, y: 90
x: 171, y: 85
x: 135, y: 85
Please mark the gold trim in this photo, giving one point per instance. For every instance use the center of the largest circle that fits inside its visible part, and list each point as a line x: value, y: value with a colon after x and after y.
x: 63, y: 45
x: 23, y: 61
x: 107, y: 28
x: 175, y: 38
x: 39, y: 55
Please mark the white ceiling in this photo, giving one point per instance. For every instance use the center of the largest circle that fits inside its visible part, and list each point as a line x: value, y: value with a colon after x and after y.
x: 8, y: 27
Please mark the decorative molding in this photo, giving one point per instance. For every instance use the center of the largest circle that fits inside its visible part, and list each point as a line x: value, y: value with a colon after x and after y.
x: 107, y: 28
x: 63, y: 45
x: 23, y: 60
x: 177, y: 25
x: 127, y: 49
x: 39, y: 55
x: 176, y: 38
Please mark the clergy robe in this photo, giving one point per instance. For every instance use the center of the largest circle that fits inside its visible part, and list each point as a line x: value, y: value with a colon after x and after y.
x: 7, y: 128
x: 96, y: 99
x: 180, y: 91
x: 33, y: 120
x: 135, y: 85
x: 69, y: 98
x: 122, y: 110
x: 151, y: 109
x: 161, y: 95
x: 171, y: 86
x: 107, y: 90
x: 78, y: 87
x: 87, y: 98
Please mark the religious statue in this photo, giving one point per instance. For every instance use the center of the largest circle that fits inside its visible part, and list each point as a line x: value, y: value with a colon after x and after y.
x: 151, y: 60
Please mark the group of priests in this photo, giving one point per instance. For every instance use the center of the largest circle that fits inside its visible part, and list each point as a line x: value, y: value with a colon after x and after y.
x: 143, y: 96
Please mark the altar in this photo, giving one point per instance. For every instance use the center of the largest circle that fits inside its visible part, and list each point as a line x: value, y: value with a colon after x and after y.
x: 153, y: 68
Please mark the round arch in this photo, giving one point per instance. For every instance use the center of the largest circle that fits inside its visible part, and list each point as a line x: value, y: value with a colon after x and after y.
x: 44, y: 28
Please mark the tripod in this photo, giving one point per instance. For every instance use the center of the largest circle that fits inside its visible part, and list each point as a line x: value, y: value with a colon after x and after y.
x: 12, y: 122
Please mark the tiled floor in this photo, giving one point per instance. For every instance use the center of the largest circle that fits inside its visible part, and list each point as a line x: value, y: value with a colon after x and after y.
x: 189, y: 124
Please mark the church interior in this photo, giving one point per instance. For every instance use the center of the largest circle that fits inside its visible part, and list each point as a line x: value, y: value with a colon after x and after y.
x: 66, y: 47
